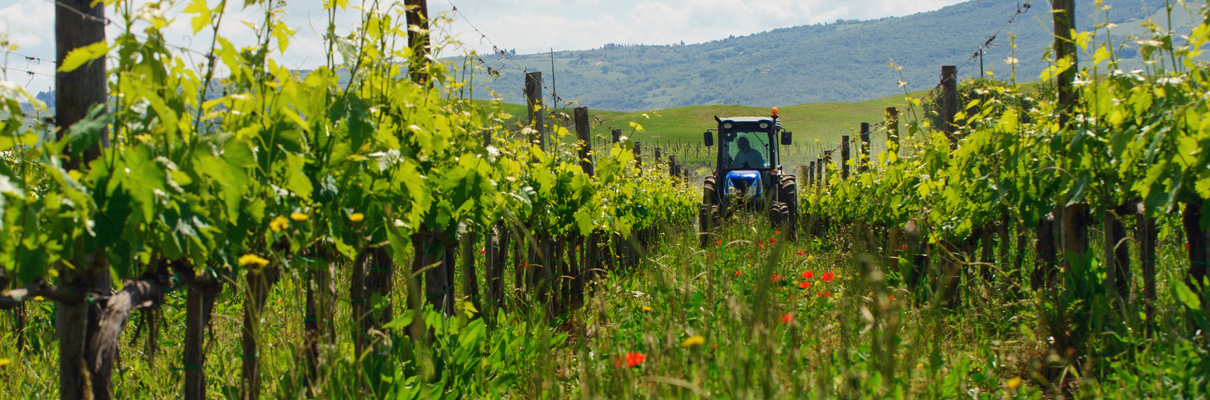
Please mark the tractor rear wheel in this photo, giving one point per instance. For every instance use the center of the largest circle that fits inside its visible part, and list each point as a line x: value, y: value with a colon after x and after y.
x: 788, y: 194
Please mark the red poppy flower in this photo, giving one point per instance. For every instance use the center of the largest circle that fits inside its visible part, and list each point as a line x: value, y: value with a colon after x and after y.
x: 762, y: 245
x: 776, y: 232
x: 776, y: 277
x: 1186, y: 246
x: 800, y: 252
x: 787, y: 318
x: 711, y: 255
x: 890, y: 297
x: 827, y: 276
x: 824, y: 294
x: 772, y: 240
x: 808, y: 274
x: 718, y: 242
x: 804, y: 285
x: 482, y: 251
x: 738, y: 272
x: 633, y: 359
x: 904, y: 247
x: 618, y: 362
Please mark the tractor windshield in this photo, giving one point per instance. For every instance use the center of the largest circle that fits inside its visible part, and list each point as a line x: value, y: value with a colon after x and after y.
x: 746, y: 150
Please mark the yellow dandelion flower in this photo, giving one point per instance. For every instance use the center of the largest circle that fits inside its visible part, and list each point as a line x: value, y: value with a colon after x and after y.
x: 1013, y: 383
x: 919, y: 366
x: 300, y: 217
x: 279, y: 223
x: 5, y: 361
x: 694, y: 340
x: 39, y: 298
x: 249, y: 259
x: 646, y: 308
x: 357, y: 217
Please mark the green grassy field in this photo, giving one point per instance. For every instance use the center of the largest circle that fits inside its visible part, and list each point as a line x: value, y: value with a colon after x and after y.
x: 751, y: 316
x: 679, y: 130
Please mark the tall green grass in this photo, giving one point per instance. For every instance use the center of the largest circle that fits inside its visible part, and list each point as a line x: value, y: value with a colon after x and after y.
x: 727, y: 321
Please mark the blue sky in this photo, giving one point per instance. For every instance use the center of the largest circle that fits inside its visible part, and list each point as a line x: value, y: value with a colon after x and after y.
x: 528, y: 26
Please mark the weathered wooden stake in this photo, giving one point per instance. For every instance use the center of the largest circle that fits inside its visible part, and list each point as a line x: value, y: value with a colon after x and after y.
x: 949, y: 102
x: 844, y: 157
x: 892, y: 129
x: 811, y: 174
x: 584, y: 135
x: 75, y: 93
x: 535, y: 108
x: 865, y: 147
x: 1065, y: 48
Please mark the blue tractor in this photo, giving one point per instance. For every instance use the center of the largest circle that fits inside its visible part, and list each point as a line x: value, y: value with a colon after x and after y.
x: 749, y: 175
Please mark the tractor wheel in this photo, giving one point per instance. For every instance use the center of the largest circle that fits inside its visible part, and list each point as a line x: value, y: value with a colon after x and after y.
x: 788, y: 193
x: 705, y: 213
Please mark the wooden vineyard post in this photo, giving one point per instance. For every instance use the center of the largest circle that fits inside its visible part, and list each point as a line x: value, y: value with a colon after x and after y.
x: 987, y: 255
x: 535, y: 108
x: 811, y: 174
x: 617, y: 135
x: 321, y: 296
x: 638, y: 153
x: 949, y: 102
x: 658, y: 153
x: 1065, y: 48
x: 1147, y: 232
x: 1117, y: 256
x: 821, y: 168
x: 80, y: 23
x: 418, y: 40
x: 200, y: 297
x: 258, y: 282
x: 1197, y: 240
x: 672, y: 166
x: 195, y: 377
x: 892, y: 129
x: 894, y: 247
x: 584, y: 135
x: 358, y: 302
x: 844, y: 157
x: 865, y: 148
x: 470, y: 279
x: 495, y: 256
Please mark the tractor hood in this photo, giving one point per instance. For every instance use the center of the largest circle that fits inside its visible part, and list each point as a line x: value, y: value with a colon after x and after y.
x: 745, y: 184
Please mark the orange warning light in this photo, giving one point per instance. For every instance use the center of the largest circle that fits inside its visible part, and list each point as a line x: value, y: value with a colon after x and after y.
x: 774, y: 111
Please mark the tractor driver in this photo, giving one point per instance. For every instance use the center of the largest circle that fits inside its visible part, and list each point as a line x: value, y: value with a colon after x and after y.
x: 748, y: 157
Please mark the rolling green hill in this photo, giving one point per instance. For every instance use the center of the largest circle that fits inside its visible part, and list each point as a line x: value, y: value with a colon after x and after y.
x: 842, y: 61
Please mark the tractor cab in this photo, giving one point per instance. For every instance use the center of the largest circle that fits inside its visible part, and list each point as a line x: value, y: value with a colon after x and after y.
x: 748, y: 171
x: 747, y: 153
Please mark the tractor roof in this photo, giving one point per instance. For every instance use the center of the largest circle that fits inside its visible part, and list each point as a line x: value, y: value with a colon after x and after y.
x: 747, y: 119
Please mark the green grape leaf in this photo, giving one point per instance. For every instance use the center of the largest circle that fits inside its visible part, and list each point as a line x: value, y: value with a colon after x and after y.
x: 1187, y: 296
x: 202, y: 18
x: 81, y: 55
x: 296, y: 180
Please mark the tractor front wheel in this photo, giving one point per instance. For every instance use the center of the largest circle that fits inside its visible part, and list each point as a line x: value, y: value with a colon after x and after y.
x: 707, y: 213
